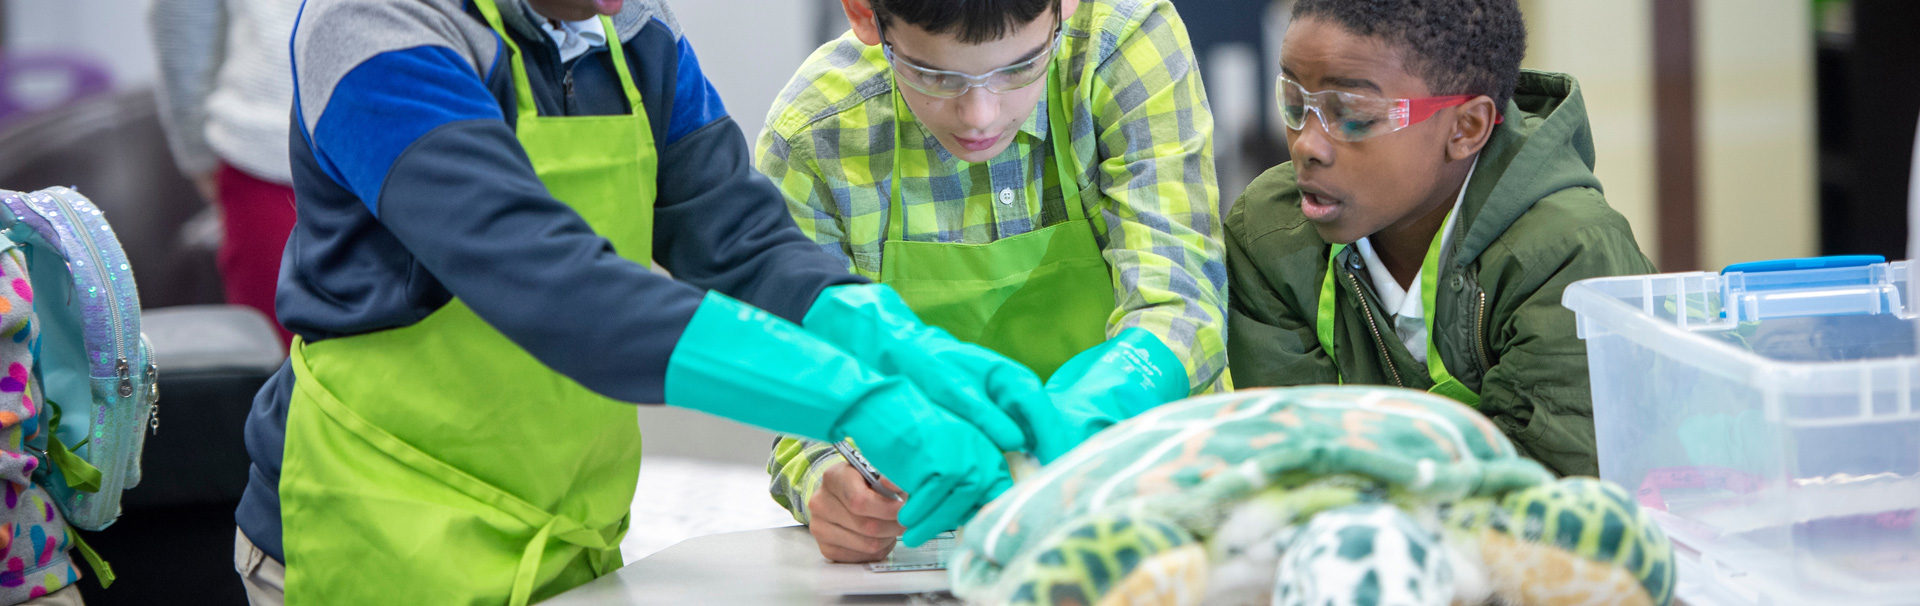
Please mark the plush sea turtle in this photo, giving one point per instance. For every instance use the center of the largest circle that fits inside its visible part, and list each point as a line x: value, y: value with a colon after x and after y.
x: 1310, y: 496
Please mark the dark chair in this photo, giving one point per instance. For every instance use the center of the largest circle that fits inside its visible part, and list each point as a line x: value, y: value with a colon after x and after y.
x: 112, y: 150
x: 175, y: 536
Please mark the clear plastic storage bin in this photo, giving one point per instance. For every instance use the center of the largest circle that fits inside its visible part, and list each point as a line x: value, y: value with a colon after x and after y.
x: 1769, y: 416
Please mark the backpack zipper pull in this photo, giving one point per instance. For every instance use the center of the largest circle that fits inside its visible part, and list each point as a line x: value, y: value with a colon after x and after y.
x: 153, y: 399
x: 125, y: 372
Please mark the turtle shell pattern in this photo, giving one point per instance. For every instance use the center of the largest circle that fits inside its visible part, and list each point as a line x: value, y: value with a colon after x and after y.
x: 1148, y: 491
x: 1189, y: 461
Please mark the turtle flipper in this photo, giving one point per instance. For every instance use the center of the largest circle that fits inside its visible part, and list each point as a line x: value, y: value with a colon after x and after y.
x: 1172, y: 578
x: 1115, y: 558
x: 1578, y: 541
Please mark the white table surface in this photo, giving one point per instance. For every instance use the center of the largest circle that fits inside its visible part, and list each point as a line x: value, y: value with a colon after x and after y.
x: 772, y: 567
x: 682, y: 498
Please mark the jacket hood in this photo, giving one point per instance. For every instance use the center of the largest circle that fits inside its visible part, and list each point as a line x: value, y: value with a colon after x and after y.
x: 1543, y: 145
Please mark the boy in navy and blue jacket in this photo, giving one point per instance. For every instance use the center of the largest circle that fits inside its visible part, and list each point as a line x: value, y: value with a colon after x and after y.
x: 414, y: 192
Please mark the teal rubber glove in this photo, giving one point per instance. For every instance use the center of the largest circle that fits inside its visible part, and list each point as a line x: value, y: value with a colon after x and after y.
x: 1111, y: 382
x: 1058, y: 424
x: 742, y: 363
x: 872, y: 323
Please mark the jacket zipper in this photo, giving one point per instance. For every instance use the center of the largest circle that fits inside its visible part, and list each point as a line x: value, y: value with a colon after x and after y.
x: 1480, y: 334
x: 566, y: 85
x: 1367, y: 310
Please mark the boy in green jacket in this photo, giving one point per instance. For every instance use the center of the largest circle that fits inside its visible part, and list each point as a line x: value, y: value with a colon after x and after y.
x: 1438, y: 201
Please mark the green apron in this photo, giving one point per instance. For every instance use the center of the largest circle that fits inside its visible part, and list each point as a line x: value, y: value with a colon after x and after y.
x: 439, y: 463
x: 1038, y: 297
x: 1443, y: 382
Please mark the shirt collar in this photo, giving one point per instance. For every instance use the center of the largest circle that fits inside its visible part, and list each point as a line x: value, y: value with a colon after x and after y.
x: 573, y: 38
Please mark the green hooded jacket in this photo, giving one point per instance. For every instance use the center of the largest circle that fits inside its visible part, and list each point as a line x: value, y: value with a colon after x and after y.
x: 1533, y: 221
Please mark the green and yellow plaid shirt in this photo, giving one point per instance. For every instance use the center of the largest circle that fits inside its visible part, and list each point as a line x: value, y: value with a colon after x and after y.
x: 1142, y: 137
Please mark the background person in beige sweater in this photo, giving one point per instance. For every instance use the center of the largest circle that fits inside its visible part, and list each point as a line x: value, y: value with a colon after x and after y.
x: 226, y: 97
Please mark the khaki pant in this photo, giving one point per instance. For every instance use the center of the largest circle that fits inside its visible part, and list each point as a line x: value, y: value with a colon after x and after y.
x: 264, y: 577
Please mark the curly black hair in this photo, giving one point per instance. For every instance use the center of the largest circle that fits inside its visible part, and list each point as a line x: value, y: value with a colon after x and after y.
x: 1459, y: 47
x: 976, y: 21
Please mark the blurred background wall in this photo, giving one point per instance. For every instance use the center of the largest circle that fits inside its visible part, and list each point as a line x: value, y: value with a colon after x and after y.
x: 1756, y: 121
x: 110, y: 33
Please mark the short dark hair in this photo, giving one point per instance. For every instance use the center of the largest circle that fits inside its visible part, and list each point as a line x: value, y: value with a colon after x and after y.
x: 1459, y: 47
x: 976, y: 21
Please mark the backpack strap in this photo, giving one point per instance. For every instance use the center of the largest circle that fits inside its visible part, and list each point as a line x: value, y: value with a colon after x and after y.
x: 80, y: 474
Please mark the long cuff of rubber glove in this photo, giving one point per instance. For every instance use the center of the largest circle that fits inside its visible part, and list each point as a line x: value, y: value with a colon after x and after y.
x: 1127, y: 375
x: 739, y: 362
x: 872, y: 323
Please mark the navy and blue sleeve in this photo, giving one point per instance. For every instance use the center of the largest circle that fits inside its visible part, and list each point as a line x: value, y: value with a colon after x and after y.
x: 719, y: 223
x: 417, y: 137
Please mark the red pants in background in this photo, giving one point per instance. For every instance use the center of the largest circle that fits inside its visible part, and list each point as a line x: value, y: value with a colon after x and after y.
x: 255, y: 216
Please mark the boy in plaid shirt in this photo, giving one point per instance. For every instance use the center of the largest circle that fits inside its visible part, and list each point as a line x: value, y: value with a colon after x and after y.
x: 1064, y: 214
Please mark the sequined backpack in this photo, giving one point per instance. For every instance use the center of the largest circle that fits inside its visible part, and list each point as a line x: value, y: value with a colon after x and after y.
x: 94, y: 367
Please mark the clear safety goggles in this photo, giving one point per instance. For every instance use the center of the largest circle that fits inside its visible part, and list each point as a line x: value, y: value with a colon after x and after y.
x: 947, y: 85
x: 1352, y: 117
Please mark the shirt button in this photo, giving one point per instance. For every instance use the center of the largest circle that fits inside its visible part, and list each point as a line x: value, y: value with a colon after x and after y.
x: 1006, y: 196
x: 1457, y: 281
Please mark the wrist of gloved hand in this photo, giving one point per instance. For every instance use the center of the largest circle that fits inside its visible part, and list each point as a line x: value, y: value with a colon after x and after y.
x: 1060, y: 420
x: 1124, y: 376
x: 872, y: 323
x: 1099, y: 387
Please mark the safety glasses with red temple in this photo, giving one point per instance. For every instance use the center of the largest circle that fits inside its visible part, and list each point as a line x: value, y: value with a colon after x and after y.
x: 1353, y: 117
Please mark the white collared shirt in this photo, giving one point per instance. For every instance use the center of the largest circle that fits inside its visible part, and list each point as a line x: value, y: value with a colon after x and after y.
x: 574, y: 38
x: 1403, y: 304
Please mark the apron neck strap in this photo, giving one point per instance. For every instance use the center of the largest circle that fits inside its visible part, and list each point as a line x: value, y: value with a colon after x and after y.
x: 1058, y: 136
x: 620, y: 65
x: 1444, y: 383
x: 1060, y: 133
x: 1323, y: 316
x: 896, y: 209
x: 523, y: 87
